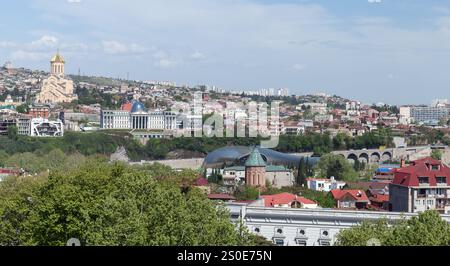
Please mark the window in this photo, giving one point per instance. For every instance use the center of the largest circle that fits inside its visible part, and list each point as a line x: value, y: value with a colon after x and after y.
x: 279, y: 231
x: 441, y: 179
x: 435, y: 167
x: 324, y: 243
x: 278, y: 241
x: 423, y: 180
x: 257, y: 230
x: 325, y: 233
x: 301, y: 242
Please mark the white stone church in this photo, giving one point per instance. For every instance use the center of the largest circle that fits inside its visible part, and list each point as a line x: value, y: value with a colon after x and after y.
x: 56, y: 88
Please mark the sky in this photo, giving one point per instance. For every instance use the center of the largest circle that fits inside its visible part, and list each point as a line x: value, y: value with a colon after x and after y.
x: 391, y: 51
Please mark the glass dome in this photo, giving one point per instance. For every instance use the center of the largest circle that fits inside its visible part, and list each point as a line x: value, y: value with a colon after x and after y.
x: 138, y: 108
x: 239, y: 154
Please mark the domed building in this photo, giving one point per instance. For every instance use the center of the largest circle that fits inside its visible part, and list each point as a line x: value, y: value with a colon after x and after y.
x: 56, y: 88
x: 139, y: 116
x: 254, y: 166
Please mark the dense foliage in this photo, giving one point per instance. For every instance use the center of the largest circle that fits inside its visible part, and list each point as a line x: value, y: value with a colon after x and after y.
x: 337, y: 166
x: 88, y: 97
x: 107, y: 142
x: 114, y: 205
x: 428, y: 229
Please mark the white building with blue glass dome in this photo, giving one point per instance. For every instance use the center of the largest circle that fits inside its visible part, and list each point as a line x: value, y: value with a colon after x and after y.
x: 139, y: 118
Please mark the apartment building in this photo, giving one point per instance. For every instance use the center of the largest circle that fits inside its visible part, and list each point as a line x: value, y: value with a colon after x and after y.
x: 423, y: 185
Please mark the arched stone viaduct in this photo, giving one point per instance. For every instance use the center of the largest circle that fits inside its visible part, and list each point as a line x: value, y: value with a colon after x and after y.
x: 382, y: 155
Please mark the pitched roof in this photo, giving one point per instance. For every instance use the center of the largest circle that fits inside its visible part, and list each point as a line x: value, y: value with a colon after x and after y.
x: 255, y: 159
x: 357, y: 195
x: 284, y: 198
x: 409, y: 176
x: 380, y: 198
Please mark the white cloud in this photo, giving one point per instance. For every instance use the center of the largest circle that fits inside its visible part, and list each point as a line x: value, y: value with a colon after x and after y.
x: 6, y: 44
x: 197, y: 56
x: 28, y: 56
x: 298, y: 67
x: 44, y: 42
x: 166, y: 63
x: 116, y: 47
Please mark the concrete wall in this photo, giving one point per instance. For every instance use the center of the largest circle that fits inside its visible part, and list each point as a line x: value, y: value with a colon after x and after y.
x: 194, y: 163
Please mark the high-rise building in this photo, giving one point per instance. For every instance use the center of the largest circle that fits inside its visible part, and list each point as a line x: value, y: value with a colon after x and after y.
x: 423, y: 185
x: 426, y: 113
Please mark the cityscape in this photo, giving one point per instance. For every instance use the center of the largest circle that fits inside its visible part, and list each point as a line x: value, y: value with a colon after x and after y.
x: 92, y: 159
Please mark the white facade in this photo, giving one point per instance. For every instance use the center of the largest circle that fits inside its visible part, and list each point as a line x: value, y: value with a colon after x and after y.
x: 305, y: 227
x: 325, y: 185
x: 40, y: 127
x: 115, y: 119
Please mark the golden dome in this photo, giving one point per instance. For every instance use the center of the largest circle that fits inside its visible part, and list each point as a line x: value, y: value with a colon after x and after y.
x: 57, y: 58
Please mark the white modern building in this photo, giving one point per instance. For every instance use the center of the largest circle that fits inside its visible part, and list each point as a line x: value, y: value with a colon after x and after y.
x: 324, y: 184
x: 41, y: 127
x: 138, y: 118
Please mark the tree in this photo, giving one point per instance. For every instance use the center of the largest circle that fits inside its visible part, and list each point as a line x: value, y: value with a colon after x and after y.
x: 247, y: 193
x: 3, y: 158
x: 112, y: 205
x: 12, y: 132
x: 22, y: 109
x: 426, y: 229
x: 436, y: 154
x: 301, y: 176
x: 337, y: 166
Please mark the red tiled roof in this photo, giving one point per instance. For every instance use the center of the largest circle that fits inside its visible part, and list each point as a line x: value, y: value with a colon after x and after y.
x: 284, y: 198
x: 409, y: 176
x: 358, y: 195
x: 380, y: 198
x: 8, y: 171
x: 127, y: 107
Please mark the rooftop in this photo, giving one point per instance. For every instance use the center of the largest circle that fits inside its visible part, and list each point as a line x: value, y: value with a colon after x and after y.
x: 255, y: 159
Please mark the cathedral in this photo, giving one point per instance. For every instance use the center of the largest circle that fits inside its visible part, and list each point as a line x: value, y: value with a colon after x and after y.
x: 56, y: 89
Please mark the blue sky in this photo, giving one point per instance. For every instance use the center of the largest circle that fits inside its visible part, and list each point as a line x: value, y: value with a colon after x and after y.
x: 394, y: 51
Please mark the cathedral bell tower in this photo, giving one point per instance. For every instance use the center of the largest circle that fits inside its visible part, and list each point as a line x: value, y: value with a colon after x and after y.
x: 57, y: 65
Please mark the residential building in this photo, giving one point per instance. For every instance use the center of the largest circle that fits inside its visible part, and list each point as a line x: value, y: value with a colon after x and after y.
x: 288, y: 200
x: 423, y: 185
x: 324, y: 184
x: 5, y: 172
x: 39, y: 112
x: 350, y: 199
x: 425, y: 113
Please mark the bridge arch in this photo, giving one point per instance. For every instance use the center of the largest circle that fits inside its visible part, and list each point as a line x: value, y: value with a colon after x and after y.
x: 352, y: 158
x: 387, y: 156
x: 375, y: 157
x: 364, y: 158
